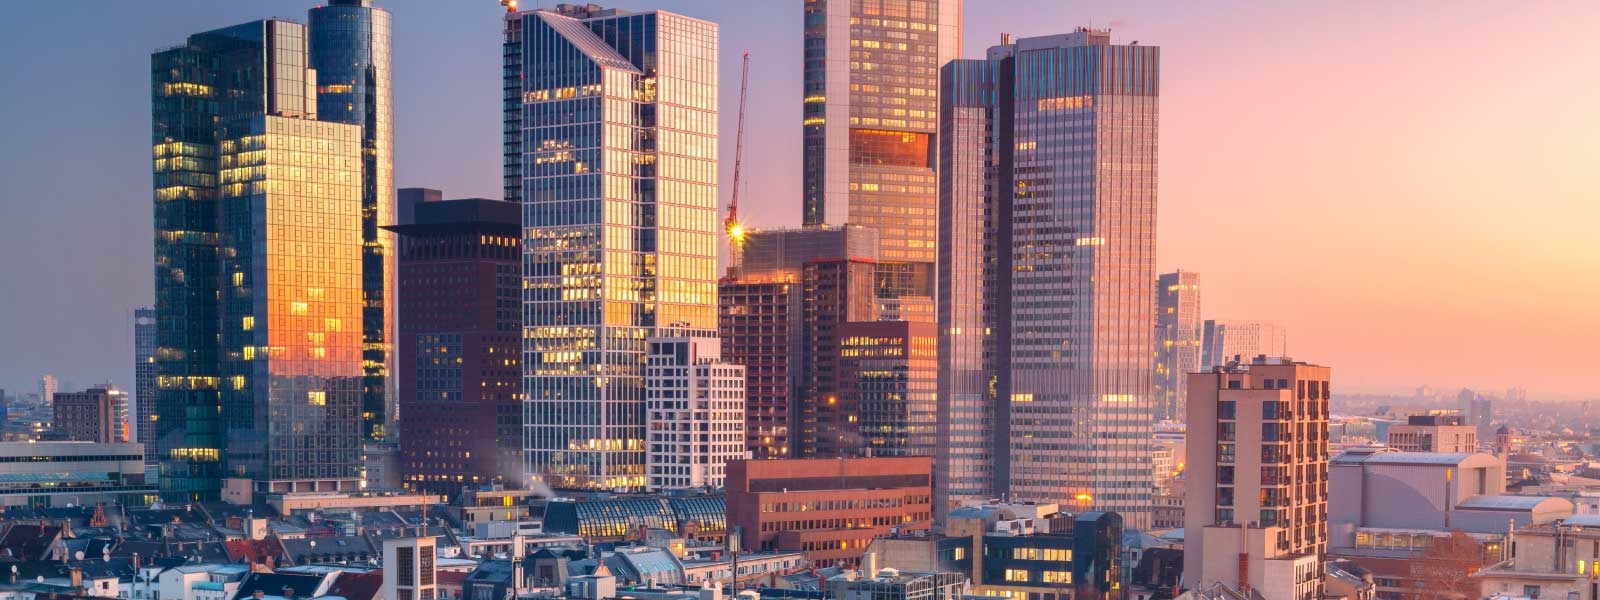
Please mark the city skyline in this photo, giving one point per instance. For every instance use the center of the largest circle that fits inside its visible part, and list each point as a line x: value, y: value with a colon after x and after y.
x: 1464, y: 278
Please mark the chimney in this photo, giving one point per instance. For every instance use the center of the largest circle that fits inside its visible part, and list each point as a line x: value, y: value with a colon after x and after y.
x: 258, y: 595
x: 77, y: 578
x: 1005, y: 39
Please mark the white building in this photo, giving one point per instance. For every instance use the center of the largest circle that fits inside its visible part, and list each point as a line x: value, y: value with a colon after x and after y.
x: 409, y: 569
x: 694, y: 412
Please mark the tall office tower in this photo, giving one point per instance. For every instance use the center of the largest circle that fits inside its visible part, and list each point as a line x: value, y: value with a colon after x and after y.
x: 98, y: 414
x: 144, y: 381
x: 1256, y: 515
x: 1046, y: 258
x: 460, y: 345
x: 833, y: 293
x: 48, y: 385
x: 1178, y: 335
x: 870, y: 110
x: 759, y: 324
x: 350, y: 53
x: 619, y: 196
x: 258, y: 266
x: 1222, y: 341
x: 888, y: 379
x: 695, y: 404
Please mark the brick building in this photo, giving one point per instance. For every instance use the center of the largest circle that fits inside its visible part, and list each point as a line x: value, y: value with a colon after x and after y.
x: 830, y: 509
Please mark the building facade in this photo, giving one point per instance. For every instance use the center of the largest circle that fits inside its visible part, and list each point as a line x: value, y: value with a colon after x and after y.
x: 831, y: 509
x: 98, y: 414
x: 870, y: 120
x: 759, y: 324
x: 1047, y: 216
x: 350, y: 51
x: 1223, y: 341
x: 696, y: 415
x: 834, y: 293
x: 460, y: 345
x: 1178, y: 337
x: 1434, y: 433
x: 48, y: 385
x: 617, y: 133
x: 1256, y: 513
x: 55, y: 474
x: 888, y: 382
x: 143, y: 413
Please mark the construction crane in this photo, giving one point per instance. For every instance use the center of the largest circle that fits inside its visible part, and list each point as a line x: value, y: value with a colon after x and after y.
x: 731, y: 224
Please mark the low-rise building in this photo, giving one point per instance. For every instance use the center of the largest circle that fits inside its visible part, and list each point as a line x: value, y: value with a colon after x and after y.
x: 831, y: 509
x: 46, y: 474
x: 892, y: 584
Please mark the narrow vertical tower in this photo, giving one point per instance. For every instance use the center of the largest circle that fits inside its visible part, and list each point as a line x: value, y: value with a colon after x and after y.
x: 619, y: 182
x: 349, y: 45
x: 1178, y: 335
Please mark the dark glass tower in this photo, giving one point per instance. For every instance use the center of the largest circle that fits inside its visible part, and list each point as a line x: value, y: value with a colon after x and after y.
x: 144, y: 381
x: 350, y: 52
x: 618, y: 135
x: 257, y: 266
x: 1047, y: 235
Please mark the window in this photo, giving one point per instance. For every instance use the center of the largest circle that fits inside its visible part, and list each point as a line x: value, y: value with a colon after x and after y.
x: 1227, y: 409
x: 1057, y: 576
x: 1225, y: 431
x: 1531, y: 591
x: 1016, y: 575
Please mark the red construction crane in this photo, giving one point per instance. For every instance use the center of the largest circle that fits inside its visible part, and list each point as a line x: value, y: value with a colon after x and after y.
x: 731, y: 224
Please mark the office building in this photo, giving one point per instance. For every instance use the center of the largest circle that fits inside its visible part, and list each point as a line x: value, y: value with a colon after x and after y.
x: 1223, y: 341
x: 887, y: 383
x: 349, y: 49
x: 759, y: 324
x: 870, y: 122
x: 143, y: 413
x: 620, y: 229
x: 834, y: 292
x: 1434, y: 433
x: 1044, y: 278
x: 614, y: 519
x: 1178, y: 336
x: 48, y: 386
x: 258, y: 267
x: 892, y: 584
x: 410, y: 569
x: 98, y: 414
x: 460, y: 345
x: 57, y: 474
x: 1477, y: 411
x: 695, y: 419
x: 1256, y: 514
x: 783, y: 253
x: 831, y: 509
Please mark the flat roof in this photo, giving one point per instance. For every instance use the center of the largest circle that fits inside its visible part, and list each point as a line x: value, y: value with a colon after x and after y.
x: 1504, y: 502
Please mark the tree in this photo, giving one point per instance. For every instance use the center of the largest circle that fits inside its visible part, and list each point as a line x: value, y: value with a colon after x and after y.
x: 1441, y: 572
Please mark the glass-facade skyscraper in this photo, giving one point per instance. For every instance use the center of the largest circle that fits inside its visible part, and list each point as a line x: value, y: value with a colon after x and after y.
x: 349, y: 46
x: 1047, y: 229
x: 617, y: 131
x: 144, y: 381
x: 870, y: 121
x: 1178, y: 329
x: 257, y: 267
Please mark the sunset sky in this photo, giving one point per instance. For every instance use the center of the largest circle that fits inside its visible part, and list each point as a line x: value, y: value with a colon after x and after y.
x: 1412, y: 188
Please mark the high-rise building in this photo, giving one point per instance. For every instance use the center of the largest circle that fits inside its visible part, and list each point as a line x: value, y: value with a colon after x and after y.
x: 834, y: 292
x: 1477, y: 410
x: 1256, y: 514
x: 349, y: 46
x: 1222, y: 341
x: 759, y: 324
x: 48, y: 385
x: 618, y: 137
x: 1178, y: 336
x: 98, y: 414
x: 888, y: 380
x: 258, y: 268
x: 460, y: 345
x: 1046, y: 256
x: 696, y: 412
x: 870, y: 112
x: 144, y: 381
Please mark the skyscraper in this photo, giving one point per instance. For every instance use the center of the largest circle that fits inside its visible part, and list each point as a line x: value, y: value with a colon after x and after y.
x: 1047, y: 228
x: 1178, y: 333
x: 144, y: 381
x: 460, y: 345
x: 759, y: 323
x: 1222, y: 341
x: 887, y: 382
x: 349, y: 46
x: 870, y: 110
x: 47, y: 389
x: 618, y: 136
x: 1256, y: 514
x: 258, y: 267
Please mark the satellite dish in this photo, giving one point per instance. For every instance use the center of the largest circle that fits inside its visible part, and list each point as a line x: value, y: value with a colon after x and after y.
x: 78, y: 555
x: 39, y: 579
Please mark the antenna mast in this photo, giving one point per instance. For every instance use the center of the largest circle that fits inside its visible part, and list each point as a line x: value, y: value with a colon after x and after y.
x: 731, y: 224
